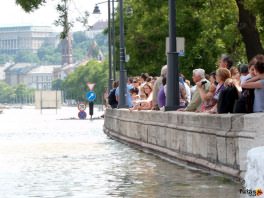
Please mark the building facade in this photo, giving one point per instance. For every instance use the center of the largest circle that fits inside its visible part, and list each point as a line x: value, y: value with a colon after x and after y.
x: 41, y: 77
x: 17, y: 73
x: 2, y: 70
x: 29, y: 38
x: 35, y: 77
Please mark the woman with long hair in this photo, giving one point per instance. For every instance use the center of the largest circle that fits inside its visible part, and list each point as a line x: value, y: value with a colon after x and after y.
x: 147, y: 103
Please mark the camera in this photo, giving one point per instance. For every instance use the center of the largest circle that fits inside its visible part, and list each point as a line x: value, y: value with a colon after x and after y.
x: 204, y: 82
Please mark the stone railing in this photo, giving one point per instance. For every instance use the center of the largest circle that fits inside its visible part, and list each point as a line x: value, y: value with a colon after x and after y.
x: 215, y: 142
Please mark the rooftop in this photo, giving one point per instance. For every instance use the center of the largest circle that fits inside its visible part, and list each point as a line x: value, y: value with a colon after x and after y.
x: 20, y: 68
x: 99, y: 25
x: 26, y: 29
x: 44, y: 69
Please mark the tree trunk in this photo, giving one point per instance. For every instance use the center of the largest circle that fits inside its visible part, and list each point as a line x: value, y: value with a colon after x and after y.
x: 248, y: 30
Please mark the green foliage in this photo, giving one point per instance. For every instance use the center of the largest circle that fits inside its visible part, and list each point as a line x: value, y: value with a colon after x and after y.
x: 257, y: 7
x: 84, y: 47
x: 8, y: 94
x: 213, y: 32
x: 209, y: 28
x: 63, y: 20
x: 26, y: 57
x: 79, y: 37
x: 57, y: 84
x: 21, y: 90
x: 81, y: 44
x: 93, y: 71
x: 30, y: 5
x: 146, y: 31
x: 4, y: 58
x: 49, y: 55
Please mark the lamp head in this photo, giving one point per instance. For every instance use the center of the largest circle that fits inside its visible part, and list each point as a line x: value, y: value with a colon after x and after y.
x: 96, y: 10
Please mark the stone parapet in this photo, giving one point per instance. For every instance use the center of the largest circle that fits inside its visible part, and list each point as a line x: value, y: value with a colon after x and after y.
x: 216, y: 142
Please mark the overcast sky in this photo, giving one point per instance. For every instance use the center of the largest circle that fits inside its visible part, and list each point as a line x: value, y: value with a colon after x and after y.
x: 13, y: 15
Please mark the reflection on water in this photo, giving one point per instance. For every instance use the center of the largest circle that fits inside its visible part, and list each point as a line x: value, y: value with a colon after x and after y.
x: 43, y: 156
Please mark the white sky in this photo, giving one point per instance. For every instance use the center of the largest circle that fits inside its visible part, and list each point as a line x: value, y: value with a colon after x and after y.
x: 13, y: 15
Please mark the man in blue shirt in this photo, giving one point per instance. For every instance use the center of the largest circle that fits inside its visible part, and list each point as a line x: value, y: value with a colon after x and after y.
x: 128, y: 96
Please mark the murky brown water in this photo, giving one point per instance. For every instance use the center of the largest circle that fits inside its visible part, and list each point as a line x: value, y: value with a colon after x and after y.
x: 43, y: 156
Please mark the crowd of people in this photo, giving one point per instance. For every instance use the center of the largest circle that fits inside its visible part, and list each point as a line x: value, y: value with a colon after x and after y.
x: 229, y: 89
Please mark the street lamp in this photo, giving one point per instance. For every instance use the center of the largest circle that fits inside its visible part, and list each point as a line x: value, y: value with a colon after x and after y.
x: 122, y: 77
x: 173, y: 98
x: 97, y: 11
x: 113, y: 39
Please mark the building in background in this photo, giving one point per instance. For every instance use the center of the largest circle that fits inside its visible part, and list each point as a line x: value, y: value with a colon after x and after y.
x: 17, y: 73
x: 36, y: 77
x: 28, y: 38
x: 62, y: 72
x: 41, y: 77
x: 2, y: 70
x: 96, y: 29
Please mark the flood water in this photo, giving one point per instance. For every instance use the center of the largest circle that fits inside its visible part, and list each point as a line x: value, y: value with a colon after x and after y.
x: 46, y: 157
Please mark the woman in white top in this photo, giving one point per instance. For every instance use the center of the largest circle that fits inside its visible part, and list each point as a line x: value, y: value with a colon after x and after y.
x: 147, y: 103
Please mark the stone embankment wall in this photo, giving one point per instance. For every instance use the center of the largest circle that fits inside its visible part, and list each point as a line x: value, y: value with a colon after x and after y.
x: 214, y: 142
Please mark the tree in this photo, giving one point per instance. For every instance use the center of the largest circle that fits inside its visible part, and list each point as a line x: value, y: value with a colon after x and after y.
x: 48, y: 54
x: 209, y: 27
x: 26, y: 57
x: 209, y: 30
x: 93, y: 71
x: 63, y: 20
x: 30, y: 5
x: 10, y: 94
x: 248, y: 29
x: 57, y: 84
x: 7, y: 93
x: 79, y: 37
x: 4, y: 58
x: 22, y: 93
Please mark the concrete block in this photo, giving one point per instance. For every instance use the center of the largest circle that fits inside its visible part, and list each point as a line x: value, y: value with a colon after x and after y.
x: 212, y: 148
x: 189, y: 142
x: 182, y: 138
x: 169, y: 142
x: 152, y: 135
x: 175, y: 140
x: 161, y: 136
x: 196, y: 138
x: 231, y: 152
x: 221, y: 149
x: 244, y: 145
x: 203, y: 145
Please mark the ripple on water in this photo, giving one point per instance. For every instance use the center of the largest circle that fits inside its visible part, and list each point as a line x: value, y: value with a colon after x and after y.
x: 42, y: 156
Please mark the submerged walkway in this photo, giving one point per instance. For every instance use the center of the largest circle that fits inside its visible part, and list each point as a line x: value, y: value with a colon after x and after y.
x: 46, y: 156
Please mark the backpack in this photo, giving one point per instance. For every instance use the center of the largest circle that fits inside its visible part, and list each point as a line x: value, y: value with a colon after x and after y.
x: 245, y: 102
x: 112, y: 98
